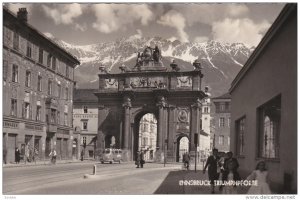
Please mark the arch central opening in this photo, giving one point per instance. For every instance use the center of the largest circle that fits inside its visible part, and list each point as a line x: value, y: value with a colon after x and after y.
x: 147, y: 136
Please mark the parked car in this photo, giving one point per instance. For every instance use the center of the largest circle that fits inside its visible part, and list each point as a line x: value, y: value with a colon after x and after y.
x: 111, y: 155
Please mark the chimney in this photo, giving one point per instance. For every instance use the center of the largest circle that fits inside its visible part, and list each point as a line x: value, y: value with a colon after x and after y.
x: 22, y: 14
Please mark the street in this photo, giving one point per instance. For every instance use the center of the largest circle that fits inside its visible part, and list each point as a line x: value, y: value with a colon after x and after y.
x: 114, y: 179
x: 68, y: 179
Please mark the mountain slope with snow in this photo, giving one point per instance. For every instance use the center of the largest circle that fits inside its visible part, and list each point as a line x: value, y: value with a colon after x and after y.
x: 220, y: 62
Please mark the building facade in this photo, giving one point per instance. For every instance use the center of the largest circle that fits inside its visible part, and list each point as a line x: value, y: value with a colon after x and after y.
x: 148, y: 136
x: 85, y: 121
x: 38, y: 80
x: 221, y: 123
x: 264, y: 105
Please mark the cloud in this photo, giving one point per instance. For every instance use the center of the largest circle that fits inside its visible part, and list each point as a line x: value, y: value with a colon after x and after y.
x: 239, y: 30
x: 14, y: 7
x: 63, y: 14
x: 201, y: 39
x: 82, y: 28
x: 209, y: 13
x: 113, y: 17
x: 175, y: 20
x: 138, y: 35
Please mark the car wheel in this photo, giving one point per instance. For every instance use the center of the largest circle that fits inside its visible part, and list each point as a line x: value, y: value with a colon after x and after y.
x: 110, y: 162
x: 102, y: 162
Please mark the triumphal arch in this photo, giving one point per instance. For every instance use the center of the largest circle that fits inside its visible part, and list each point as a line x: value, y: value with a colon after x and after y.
x: 171, y: 95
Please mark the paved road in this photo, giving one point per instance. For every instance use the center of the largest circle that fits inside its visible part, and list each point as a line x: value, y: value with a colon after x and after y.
x: 68, y: 179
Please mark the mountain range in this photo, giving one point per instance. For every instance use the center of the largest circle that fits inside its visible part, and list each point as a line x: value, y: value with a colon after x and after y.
x: 220, y: 62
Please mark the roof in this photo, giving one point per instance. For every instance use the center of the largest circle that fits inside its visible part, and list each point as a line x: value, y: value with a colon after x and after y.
x: 224, y: 96
x: 85, y: 95
x: 279, y: 22
x: 35, y: 31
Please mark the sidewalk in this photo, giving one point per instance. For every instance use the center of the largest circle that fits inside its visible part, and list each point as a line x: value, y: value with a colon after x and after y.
x: 44, y: 162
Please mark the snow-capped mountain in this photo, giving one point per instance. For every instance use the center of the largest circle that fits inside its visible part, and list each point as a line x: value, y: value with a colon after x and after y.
x: 220, y: 62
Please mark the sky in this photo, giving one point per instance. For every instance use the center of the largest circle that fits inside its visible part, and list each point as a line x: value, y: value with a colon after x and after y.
x: 83, y: 24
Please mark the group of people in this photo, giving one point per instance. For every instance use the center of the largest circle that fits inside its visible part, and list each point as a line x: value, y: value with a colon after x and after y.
x: 140, y: 160
x: 228, y: 170
x: 30, y: 154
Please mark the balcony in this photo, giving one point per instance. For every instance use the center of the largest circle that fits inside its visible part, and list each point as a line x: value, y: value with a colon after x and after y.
x: 52, y: 128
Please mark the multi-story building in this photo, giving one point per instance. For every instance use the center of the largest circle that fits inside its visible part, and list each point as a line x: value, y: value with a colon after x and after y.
x: 85, y: 121
x: 148, y: 136
x: 38, y: 81
x: 204, y: 139
x: 264, y: 106
x: 221, y: 122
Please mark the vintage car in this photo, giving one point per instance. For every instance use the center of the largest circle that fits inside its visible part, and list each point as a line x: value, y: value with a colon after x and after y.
x: 111, y: 155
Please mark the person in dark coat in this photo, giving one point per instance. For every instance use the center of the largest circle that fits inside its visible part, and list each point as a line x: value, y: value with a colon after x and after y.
x: 138, y: 159
x: 228, y: 159
x: 4, y: 155
x: 212, y: 164
x: 142, y: 159
x: 17, y: 155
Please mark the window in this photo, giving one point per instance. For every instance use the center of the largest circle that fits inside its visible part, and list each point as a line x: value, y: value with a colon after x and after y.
x: 15, y: 73
x: 16, y: 41
x: 229, y: 122
x: 41, y: 56
x: 221, y: 139
x: 222, y: 107
x: 85, y: 125
x: 58, y: 117
x: 85, y: 109
x: 27, y: 78
x: 205, y: 109
x: 13, y: 109
x: 58, y: 90
x: 240, y: 133
x: 221, y: 122
x: 38, y: 113
x: 53, y: 116
x: 66, y: 119
x: 49, y: 87
x: 67, y: 71
x: 26, y: 111
x: 227, y: 108
x: 39, y: 85
x: 49, y: 58
x: 269, y: 116
x: 5, y: 69
x: 54, y: 63
x: 67, y: 93
x: 29, y: 49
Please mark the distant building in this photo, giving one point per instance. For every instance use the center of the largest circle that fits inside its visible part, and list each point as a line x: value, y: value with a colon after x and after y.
x: 264, y: 105
x: 148, y: 136
x: 221, y: 123
x: 38, y: 81
x: 85, y: 121
x: 204, y: 139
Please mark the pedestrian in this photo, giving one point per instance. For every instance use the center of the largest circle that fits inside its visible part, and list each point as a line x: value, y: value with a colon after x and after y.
x: 212, y: 164
x: 229, y: 158
x: 81, y: 155
x: 260, y: 174
x: 26, y: 159
x: 138, y: 159
x: 17, y: 155
x: 231, y: 175
x: 142, y: 159
x: 4, y: 155
x: 186, y: 160
x: 54, y: 156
